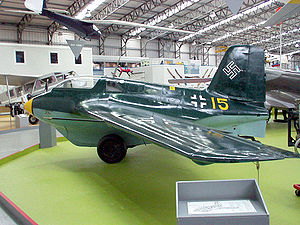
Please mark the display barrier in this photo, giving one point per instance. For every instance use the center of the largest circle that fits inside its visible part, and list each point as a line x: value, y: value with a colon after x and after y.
x: 17, y: 214
x: 21, y: 121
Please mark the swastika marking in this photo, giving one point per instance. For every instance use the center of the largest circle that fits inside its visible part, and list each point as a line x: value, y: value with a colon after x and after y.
x: 231, y: 70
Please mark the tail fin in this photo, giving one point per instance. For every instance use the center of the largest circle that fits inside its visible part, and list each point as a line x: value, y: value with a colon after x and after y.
x: 35, y: 5
x: 241, y: 74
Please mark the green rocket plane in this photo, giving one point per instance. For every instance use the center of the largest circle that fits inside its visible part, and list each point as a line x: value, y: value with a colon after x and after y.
x: 204, y: 125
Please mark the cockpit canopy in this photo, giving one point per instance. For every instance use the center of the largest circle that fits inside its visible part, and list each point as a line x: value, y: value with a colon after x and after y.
x: 79, y: 82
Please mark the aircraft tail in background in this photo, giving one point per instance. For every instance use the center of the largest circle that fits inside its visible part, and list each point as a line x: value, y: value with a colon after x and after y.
x: 84, y: 29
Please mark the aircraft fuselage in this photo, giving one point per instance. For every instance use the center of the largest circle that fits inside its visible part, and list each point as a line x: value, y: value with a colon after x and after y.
x: 63, y: 108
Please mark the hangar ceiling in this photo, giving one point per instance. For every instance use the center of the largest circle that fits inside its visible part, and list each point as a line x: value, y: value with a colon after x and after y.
x: 211, y: 19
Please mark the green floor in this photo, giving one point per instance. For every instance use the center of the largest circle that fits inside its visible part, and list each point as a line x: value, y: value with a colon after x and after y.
x: 70, y: 185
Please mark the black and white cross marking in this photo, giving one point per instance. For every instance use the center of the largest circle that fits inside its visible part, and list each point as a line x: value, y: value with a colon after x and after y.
x: 202, y: 101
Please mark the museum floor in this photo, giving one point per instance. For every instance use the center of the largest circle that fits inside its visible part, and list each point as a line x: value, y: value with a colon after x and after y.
x: 7, y: 122
x: 70, y: 185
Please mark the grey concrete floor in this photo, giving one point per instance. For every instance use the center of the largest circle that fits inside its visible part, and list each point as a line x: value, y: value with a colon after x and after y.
x: 16, y: 140
x: 12, y: 141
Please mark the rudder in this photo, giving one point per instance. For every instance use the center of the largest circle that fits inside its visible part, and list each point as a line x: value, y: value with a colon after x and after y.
x: 241, y: 74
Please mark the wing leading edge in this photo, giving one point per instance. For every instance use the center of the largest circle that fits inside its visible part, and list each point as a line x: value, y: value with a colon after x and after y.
x: 287, y: 11
x: 200, y: 144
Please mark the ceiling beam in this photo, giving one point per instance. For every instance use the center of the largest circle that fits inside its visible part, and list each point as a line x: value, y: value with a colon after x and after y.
x: 146, y: 7
x: 109, y: 9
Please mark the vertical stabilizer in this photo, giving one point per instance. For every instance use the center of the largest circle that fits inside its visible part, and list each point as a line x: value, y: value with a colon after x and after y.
x: 35, y: 5
x: 241, y: 74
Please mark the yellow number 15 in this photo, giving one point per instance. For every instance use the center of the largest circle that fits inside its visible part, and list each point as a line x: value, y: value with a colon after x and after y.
x: 221, y: 102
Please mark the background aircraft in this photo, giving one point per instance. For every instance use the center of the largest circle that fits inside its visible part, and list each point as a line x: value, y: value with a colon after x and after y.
x: 27, y: 87
x: 86, y: 29
x: 115, y: 114
x: 283, y: 93
x: 283, y: 89
x: 291, y: 8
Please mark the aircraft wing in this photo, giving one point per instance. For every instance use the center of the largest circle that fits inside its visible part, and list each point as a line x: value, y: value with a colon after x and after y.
x: 282, y: 100
x: 287, y: 11
x: 132, y: 24
x: 20, y: 11
x: 202, y: 145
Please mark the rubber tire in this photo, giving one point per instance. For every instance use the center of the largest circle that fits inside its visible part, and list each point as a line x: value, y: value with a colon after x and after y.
x: 111, y: 149
x: 33, y: 120
x: 297, y: 192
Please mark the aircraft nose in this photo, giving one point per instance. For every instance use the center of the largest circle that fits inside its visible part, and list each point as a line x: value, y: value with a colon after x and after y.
x: 28, y: 106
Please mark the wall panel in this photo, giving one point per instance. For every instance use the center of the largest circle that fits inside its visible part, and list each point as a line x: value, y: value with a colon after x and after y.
x: 8, y: 34
x: 30, y: 36
x: 112, y: 44
x: 133, y: 44
x: 37, y: 60
x: 133, y: 53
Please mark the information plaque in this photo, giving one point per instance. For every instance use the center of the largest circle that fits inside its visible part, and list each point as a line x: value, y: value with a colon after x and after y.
x: 220, y: 202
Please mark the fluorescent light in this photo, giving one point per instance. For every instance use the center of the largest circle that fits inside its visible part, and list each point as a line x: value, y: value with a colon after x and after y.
x: 228, y: 20
x: 237, y: 32
x: 287, y: 44
x: 96, y: 28
x: 164, y: 15
x: 292, y: 53
x: 89, y: 8
x: 213, y: 14
x: 277, y: 36
x: 88, y: 13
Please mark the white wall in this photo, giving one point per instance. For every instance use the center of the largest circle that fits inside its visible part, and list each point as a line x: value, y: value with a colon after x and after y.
x: 184, y: 52
x: 133, y: 48
x: 112, y: 44
x: 212, y: 56
x: 8, y: 34
x: 37, y: 60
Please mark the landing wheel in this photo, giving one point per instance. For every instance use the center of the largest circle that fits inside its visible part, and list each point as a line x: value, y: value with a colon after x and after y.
x: 297, y: 192
x: 33, y: 120
x: 111, y: 149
